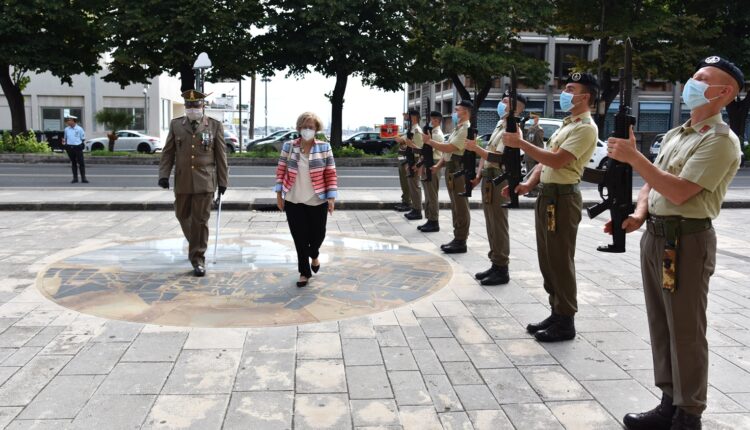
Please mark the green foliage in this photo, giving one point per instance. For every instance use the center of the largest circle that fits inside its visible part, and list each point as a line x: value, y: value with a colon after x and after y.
x: 114, y: 119
x: 348, y: 152
x: 24, y: 143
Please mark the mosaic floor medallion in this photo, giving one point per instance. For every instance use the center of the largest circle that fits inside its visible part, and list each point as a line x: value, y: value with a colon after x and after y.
x: 251, y: 285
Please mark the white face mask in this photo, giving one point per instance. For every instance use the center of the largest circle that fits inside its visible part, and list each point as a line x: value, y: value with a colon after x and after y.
x: 307, y: 133
x: 194, y: 114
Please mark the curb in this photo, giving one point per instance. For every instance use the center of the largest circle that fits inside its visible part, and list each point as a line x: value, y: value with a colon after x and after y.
x: 261, y: 204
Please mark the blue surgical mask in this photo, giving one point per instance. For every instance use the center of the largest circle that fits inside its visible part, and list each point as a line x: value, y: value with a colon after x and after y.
x: 566, y: 101
x: 454, y: 117
x: 501, y: 109
x: 530, y: 122
x: 694, y: 93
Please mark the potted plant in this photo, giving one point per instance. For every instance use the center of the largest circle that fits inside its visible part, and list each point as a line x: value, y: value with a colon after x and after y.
x: 113, y: 120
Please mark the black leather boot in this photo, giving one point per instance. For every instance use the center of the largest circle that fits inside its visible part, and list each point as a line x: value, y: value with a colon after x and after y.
x: 541, y: 325
x: 659, y: 418
x: 562, y: 329
x: 481, y: 275
x: 458, y: 247
x: 449, y: 244
x: 429, y: 227
x: 499, y: 276
x: 413, y: 215
x: 685, y: 421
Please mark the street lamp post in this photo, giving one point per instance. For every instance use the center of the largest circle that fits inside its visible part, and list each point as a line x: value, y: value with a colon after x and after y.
x: 145, y: 109
x: 201, y: 64
x: 265, y: 80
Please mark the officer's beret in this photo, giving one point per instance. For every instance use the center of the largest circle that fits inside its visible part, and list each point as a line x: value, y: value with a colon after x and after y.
x: 466, y: 103
x: 725, y: 65
x: 520, y: 97
x: 193, y: 96
x: 413, y: 112
x: 583, y: 78
x: 436, y: 114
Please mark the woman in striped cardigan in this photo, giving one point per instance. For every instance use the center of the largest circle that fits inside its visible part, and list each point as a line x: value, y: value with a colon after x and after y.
x: 306, y: 191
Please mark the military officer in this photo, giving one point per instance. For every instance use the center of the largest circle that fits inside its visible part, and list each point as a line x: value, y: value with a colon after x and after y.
x: 405, y: 205
x: 558, y: 207
x: 431, y: 188
x: 412, y: 179
x: 495, y: 215
x: 195, y: 147
x: 683, y: 192
x: 459, y: 204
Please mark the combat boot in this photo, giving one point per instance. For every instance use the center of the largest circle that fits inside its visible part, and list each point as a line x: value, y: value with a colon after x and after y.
x: 562, y: 329
x: 659, y: 418
x: 541, y: 325
x: 481, y: 275
x: 685, y: 421
x: 429, y: 227
x: 449, y: 244
x: 499, y: 276
x: 456, y: 247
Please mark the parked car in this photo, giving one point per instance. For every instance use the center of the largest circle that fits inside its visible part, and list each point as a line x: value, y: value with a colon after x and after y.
x: 598, y: 159
x: 279, y: 141
x: 271, y: 136
x: 232, y: 142
x: 655, y: 147
x: 370, y: 142
x: 127, y: 140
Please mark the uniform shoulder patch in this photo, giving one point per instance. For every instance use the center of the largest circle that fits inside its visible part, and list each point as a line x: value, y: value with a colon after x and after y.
x: 722, y: 129
x: 585, y: 120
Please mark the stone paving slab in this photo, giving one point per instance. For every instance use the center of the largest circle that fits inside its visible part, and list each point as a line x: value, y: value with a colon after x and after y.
x: 459, y: 358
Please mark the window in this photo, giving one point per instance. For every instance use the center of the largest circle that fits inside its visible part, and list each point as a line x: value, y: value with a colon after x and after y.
x: 53, y: 118
x: 654, y: 116
x: 138, y: 117
x: 534, y: 50
x: 566, y: 56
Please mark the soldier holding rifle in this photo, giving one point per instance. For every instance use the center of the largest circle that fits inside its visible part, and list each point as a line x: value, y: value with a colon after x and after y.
x: 413, y: 141
x: 432, y: 186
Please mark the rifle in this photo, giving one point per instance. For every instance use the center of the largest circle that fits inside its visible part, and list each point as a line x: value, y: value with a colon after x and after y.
x: 426, y: 152
x: 469, y: 164
x: 511, y: 158
x: 616, y: 181
x: 410, y: 161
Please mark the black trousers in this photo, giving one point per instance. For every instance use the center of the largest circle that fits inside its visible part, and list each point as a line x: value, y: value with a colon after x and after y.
x: 75, y: 153
x: 308, y: 226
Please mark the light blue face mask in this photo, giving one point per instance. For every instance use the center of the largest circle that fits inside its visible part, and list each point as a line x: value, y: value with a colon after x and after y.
x: 501, y: 109
x: 566, y: 101
x: 454, y: 117
x: 530, y: 122
x: 694, y: 93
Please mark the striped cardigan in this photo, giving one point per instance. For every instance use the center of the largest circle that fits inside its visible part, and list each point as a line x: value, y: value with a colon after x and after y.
x: 322, y: 169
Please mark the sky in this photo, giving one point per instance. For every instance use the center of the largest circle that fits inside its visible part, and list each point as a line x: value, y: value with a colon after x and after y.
x: 289, y: 97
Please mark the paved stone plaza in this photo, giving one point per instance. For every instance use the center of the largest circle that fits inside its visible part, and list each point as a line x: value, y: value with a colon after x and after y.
x: 456, y: 358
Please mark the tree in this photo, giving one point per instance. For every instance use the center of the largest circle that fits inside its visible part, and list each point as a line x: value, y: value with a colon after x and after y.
x: 149, y: 38
x: 666, y: 44
x: 113, y: 120
x: 477, y: 39
x: 338, y: 38
x: 63, y: 38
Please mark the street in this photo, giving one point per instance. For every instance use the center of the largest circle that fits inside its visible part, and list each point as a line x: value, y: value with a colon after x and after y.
x: 134, y: 176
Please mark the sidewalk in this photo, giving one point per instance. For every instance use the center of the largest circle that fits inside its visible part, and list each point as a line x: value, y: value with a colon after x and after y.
x: 456, y: 358
x: 246, y: 199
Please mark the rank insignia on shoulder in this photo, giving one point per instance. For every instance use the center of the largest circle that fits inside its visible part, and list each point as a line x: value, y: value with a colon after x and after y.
x: 704, y: 129
x: 577, y: 120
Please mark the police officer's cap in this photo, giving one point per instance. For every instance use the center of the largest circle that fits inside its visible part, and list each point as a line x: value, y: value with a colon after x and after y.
x: 413, y: 112
x: 520, y: 97
x: 466, y: 103
x: 73, y: 117
x: 583, y: 78
x: 193, y: 96
x: 725, y: 65
x: 436, y: 114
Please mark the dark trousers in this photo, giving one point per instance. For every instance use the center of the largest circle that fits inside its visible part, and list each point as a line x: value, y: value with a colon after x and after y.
x: 308, y: 227
x: 75, y: 153
x: 193, y: 212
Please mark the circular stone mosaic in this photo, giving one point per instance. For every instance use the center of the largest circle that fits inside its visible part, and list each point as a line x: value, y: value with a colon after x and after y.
x: 252, y: 284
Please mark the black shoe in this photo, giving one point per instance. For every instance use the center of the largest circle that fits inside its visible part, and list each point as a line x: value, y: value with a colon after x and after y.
x: 541, y: 325
x: 499, y: 276
x: 413, y: 215
x: 562, y: 329
x: 458, y: 247
x: 685, y: 421
x: 659, y: 418
x: 301, y: 284
x: 199, y: 271
x: 74, y: 181
x: 481, y: 275
x: 85, y: 181
x: 401, y: 207
x: 430, y: 227
x: 451, y: 243
x: 315, y: 268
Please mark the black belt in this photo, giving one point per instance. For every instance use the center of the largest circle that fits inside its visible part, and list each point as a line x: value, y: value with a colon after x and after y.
x: 675, y: 226
x: 551, y: 189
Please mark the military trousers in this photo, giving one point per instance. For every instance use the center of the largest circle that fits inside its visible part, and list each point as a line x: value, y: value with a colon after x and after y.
x: 677, y: 320
x: 193, y: 212
x: 496, y: 219
x: 415, y: 191
x: 459, y: 204
x: 431, y: 202
x: 307, y: 223
x: 403, y: 181
x: 557, y: 215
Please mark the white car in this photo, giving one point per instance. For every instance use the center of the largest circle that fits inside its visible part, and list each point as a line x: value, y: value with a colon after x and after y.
x: 598, y: 158
x: 127, y: 140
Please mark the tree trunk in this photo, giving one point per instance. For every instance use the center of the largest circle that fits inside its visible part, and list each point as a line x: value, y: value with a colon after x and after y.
x: 187, y: 78
x: 337, y: 106
x: 737, y: 111
x: 462, y: 91
x: 112, y: 137
x: 478, y: 100
x: 15, y: 100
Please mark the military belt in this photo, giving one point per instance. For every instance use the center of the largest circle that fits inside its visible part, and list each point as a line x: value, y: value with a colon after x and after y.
x: 491, y: 172
x: 674, y: 226
x: 453, y: 165
x: 552, y: 190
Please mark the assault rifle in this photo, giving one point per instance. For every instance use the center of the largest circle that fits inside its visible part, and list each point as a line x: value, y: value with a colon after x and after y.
x: 410, y: 161
x: 426, y: 152
x: 511, y: 158
x: 469, y: 164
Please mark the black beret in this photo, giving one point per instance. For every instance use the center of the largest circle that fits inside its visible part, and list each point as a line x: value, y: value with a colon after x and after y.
x: 520, y: 97
x: 436, y: 114
x: 725, y: 65
x: 583, y: 78
x: 413, y: 112
x: 466, y: 104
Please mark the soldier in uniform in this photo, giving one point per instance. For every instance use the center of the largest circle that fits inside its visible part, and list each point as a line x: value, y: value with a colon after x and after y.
x: 195, y: 147
x: 558, y: 207
x: 412, y: 179
x: 459, y: 204
x: 495, y: 215
x: 431, y: 188
x: 405, y: 205
x: 683, y: 192
x: 534, y: 135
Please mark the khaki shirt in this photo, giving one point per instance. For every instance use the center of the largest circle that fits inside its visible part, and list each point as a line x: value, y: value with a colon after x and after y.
x: 458, y: 138
x: 496, y: 144
x: 199, y: 157
x: 707, y: 154
x: 417, y: 138
x: 578, y: 136
x: 439, y: 137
